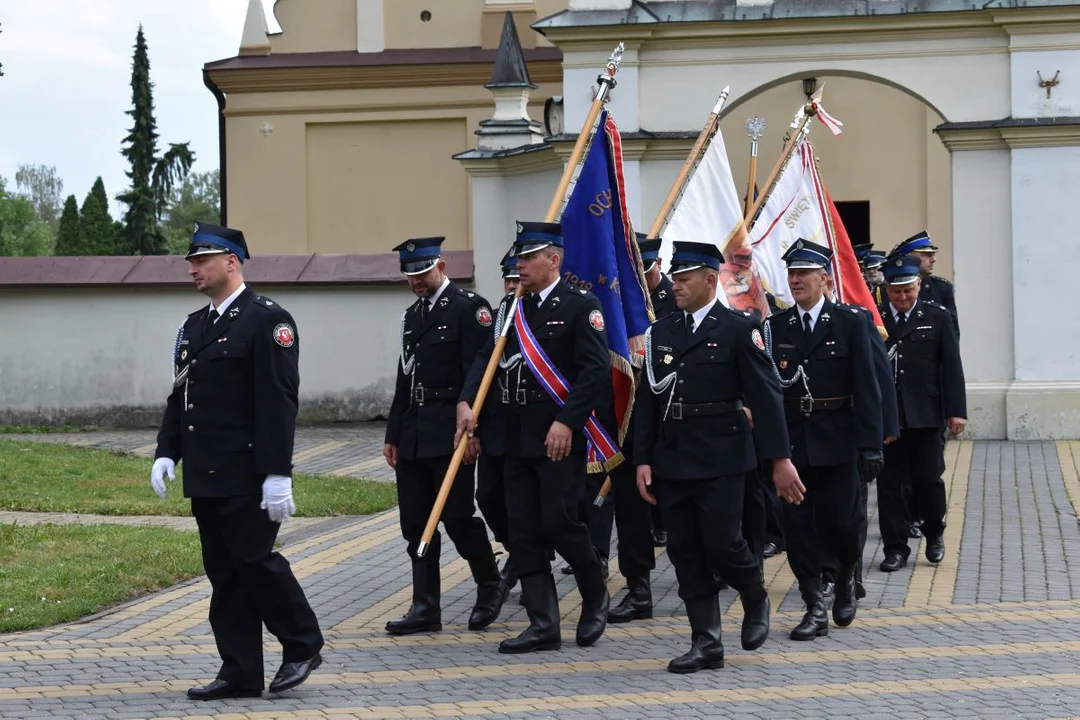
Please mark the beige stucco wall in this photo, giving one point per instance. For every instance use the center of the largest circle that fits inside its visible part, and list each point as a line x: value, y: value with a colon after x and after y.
x: 66, y: 368
x: 887, y: 155
x: 353, y: 170
x: 319, y: 26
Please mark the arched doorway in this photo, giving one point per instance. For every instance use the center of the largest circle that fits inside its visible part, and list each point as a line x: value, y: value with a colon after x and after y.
x: 888, y: 172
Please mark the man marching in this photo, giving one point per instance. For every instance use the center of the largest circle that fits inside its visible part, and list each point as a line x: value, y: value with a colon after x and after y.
x: 231, y: 419
x: 556, y: 373
x: 832, y: 401
x: 930, y: 393
x: 694, y: 446
x: 440, y: 335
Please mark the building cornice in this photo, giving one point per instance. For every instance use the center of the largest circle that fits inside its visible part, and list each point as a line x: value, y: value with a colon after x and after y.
x: 819, y: 31
x: 520, y: 161
x: 1010, y: 134
x: 388, y: 69
x: 638, y: 145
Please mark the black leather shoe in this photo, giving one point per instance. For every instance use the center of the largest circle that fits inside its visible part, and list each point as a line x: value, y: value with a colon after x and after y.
x: 659, y: 537
x: 567, y: 570
x: 893, y: 562
x: 424, y: 614
x: 846, y: 604
x: 935, y: 549
x: 706, y: 650
x: 828, y: 589
x: 291, y: 674
x: 860, y: 590
x: 771, y: 550
x: 755, y: 624
x: 636, y: 605
x: 815, y: 622
x: 220, y: 690
x: 914, y: 531
x: 542, y: 605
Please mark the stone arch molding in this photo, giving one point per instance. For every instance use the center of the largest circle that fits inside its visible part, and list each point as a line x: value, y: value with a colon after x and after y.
x: 823, y: 75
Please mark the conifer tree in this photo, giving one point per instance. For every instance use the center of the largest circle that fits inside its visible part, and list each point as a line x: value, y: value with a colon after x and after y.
x: 152, y: 178
x: 67, y: 238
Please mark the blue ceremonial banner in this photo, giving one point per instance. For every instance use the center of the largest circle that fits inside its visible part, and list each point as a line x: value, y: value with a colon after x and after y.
x: 602, y: 256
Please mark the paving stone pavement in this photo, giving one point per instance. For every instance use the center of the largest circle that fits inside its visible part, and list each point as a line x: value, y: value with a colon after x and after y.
x: 993, y: 631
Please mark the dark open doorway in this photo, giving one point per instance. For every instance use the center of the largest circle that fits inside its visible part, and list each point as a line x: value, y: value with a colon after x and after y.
x: 855, y: 215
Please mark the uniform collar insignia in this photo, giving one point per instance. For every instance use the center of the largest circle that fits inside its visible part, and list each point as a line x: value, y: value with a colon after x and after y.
x: 233, y: 312
x: 825, y: 317
x: 555, y: 300
x: 792, y: 320
x: 444, y: 301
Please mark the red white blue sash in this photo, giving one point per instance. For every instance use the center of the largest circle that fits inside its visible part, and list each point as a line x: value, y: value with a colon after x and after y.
x: 602, y: 450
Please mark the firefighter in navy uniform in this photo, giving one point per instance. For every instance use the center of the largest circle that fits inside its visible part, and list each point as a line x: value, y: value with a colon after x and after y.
x: 440, y: 335
x: 545, y: 459
x: 930, y: 392
x: 231, y: 420
x: 832, y: 400
x: 662, y: 295
x: 694, y: 447
x: 871, y: 266
x: 890, y: 426
x: 934, y: 288
x: 490, y: 481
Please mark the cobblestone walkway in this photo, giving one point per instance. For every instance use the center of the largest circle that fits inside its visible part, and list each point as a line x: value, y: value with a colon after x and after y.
x: 993, y: 631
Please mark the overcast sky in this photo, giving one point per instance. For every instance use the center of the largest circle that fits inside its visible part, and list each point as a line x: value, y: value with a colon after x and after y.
x: 67, y: 81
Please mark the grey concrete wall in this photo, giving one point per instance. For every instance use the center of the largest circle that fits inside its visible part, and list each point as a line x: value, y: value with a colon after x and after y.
x: 102, y: 356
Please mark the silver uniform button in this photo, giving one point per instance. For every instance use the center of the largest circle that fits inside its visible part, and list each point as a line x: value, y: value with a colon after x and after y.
x: 191, y: 428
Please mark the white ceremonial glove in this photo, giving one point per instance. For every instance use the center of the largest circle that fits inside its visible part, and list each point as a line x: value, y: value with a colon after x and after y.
x: 162, y: 466
x: 277, y: 498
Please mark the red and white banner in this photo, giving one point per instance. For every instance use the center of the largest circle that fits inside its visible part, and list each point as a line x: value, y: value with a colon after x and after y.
x: 800, y: 207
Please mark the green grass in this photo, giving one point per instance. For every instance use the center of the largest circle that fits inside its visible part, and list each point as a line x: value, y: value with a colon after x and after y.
x: 41, y: 429
x: 44, y: 477
x: 51, y: 574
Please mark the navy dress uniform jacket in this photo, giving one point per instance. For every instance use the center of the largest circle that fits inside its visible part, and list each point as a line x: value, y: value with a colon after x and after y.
x: 423, y: 415
x: 569, y: 327
x: 663, y: 298
x: 942, y: 292
x: 721, y: 362
x: 929, y: 374
x: 839, y: 361
x: 890, y: 417
x: 232, y: 420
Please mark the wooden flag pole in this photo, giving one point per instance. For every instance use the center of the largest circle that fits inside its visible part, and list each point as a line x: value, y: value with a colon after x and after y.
x: 606, y: 82
x: 755, y: 128
x: 799, y: 126
x: 692, y: 160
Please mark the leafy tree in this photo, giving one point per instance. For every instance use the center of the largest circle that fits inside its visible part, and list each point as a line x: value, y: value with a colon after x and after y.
x: 197, y: 199
x: 68, y: 241
x: 96, y: 234
x: 152, y: 178
x: 44, y: 189
x: 21, y: 231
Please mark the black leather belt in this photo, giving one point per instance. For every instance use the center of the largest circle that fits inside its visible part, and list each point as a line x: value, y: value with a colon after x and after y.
x: 421, y: 394
x: 685, y: 411
x: 525, y: 396
x: 811, y: 404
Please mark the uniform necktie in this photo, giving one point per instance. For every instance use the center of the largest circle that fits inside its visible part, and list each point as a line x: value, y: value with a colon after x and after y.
x: 689, y: 326
x: 212, y: 316
x: 901, y: 321
x: 806, y: 324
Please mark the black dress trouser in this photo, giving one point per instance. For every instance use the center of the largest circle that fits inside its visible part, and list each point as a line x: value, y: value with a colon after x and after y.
x: 828, y: 521
x: 252, y: 586
x: 418, y: 483
x: 918, y: 456
x: 543, y: 508
x: 705, y: 541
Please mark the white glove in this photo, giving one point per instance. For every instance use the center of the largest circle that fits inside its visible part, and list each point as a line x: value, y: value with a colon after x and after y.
x: 277, y: 498
x: 162, y: 466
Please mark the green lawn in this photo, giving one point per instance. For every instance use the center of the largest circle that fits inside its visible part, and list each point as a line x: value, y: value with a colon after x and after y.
x: 51, y: 574
x: 60, y: 478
